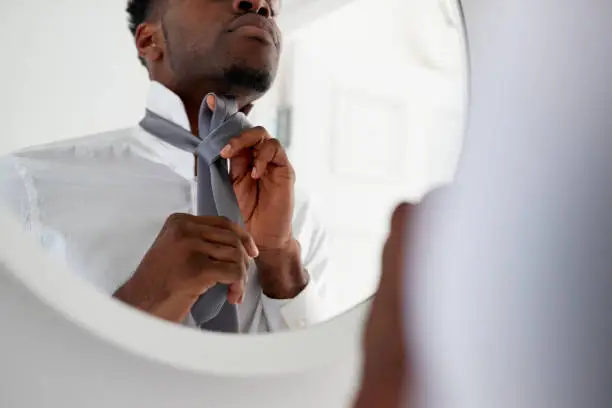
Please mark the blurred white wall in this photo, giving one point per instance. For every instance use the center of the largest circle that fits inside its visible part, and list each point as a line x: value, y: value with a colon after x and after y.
x: 379, y: 92
x: 68, y: 69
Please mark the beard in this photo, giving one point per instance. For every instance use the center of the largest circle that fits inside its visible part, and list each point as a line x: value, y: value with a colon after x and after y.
x: 250, y: 79
x: 194, y: 69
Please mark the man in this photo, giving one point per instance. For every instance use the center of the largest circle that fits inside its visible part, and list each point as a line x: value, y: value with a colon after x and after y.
x: 118, y: 206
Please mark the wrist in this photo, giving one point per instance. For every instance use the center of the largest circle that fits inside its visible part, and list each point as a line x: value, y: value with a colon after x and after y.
x: 281, y: 273
x: 290, y: 248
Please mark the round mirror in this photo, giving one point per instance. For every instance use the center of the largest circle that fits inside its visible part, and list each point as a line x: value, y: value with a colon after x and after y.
x: 107, y: 161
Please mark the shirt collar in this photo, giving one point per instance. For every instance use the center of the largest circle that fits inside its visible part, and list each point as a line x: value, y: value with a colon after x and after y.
x: 165, y: 103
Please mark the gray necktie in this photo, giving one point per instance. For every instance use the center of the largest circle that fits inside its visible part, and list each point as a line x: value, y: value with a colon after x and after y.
x: 215, y: 195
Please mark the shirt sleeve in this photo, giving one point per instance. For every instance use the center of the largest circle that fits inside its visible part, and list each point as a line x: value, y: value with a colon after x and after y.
x: 14, y: 197
x: 312, y: 305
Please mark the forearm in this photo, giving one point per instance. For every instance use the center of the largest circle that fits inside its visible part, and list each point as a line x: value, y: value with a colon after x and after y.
x: 162, y: 304
x: 281, y: 273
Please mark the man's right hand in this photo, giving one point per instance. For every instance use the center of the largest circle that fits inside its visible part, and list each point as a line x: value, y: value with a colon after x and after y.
x: 190, y: 255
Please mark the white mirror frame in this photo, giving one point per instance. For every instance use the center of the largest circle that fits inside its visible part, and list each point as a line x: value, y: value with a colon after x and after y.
x: 42, y: 301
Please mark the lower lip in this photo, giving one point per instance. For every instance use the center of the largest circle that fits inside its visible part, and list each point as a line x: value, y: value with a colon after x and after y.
x: 256, y: 33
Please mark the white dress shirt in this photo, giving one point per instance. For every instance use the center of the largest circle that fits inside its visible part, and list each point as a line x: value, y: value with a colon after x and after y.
x: 98, y: 203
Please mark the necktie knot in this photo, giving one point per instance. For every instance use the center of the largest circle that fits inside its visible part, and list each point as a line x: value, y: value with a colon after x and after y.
x: 218, y: 127
x: 209, y: 148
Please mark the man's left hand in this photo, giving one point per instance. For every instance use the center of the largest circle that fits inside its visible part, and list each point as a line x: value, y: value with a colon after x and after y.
x: 263, y: 180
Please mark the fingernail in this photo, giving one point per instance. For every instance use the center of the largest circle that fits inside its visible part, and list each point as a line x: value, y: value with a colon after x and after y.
x: 254, y: 173
x: 226, y: 150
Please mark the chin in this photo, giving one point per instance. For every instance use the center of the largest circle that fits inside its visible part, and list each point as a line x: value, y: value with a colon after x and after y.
x: 247, y: 77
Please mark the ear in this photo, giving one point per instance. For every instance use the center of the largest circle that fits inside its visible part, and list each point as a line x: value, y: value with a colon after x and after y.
x: 149, y: 42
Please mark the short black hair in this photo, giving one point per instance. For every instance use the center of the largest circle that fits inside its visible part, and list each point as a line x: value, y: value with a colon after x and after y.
x: 138, y: 11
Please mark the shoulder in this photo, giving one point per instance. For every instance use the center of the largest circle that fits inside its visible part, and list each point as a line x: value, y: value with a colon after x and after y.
x: 14, y: 192
x: 10, y: 174
x: 46, y: 163
x: 24, y: 172
x: 76, y: 147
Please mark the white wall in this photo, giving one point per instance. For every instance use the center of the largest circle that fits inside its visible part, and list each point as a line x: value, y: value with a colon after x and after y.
x: 379, y: 113
x: 68, y: 69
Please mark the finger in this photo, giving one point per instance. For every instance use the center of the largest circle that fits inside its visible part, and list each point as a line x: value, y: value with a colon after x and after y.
x: 215, y: 234
x: 211, y: 102
x: 215, y: 229
x: 221, y: 252
x: 399, y: 241
x: 399, y: 222
x: 394, y: 249
x: 268, y: 152
x: 230, y: 273
x: 226, y: 273
x: 235, y: 293
x: 240, y: 165
x: 248, y: 139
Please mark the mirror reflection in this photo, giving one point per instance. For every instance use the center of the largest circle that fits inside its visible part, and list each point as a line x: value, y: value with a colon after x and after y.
x: 239, y: 175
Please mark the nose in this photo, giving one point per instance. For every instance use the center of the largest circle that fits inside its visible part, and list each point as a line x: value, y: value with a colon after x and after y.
x: 261, y: 7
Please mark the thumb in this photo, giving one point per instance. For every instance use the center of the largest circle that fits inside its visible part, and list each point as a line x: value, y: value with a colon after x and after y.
x: 211, y: 102
x: 393, y: 253
x: 399, y: 221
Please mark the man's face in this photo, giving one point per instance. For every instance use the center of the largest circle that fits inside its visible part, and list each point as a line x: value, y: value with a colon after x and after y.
x: 236, y: 43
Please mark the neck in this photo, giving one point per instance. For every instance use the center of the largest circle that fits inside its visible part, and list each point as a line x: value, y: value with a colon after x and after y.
x: 193, y: 103
x: 192, y: 107
x: 193, y: 99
